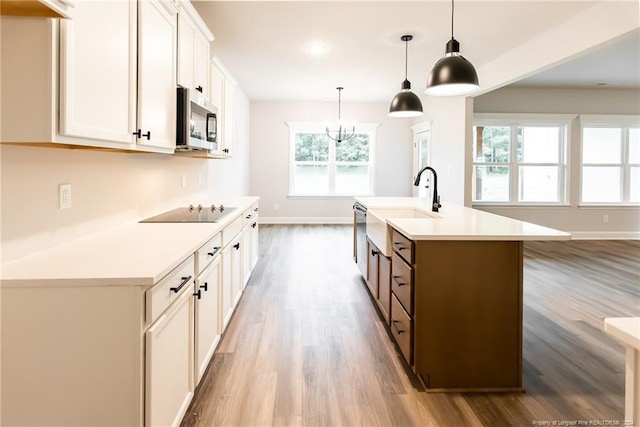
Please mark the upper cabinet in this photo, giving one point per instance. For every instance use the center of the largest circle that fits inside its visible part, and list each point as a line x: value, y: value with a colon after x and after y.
x: 223, y: 88
x: 36, y: 8
x: 194, y: 40
x: 108, y: 74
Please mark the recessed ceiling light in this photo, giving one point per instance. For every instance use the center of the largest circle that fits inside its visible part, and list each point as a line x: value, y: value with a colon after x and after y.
x: 316, y: 48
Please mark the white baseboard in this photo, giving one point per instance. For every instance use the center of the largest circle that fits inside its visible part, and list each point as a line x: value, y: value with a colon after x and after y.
x: 605, y: 235
x: 305, y: 220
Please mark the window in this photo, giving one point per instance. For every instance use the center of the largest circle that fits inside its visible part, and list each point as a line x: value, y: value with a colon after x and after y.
x: 520, y: 159
x: 320, y: 166
x: 610, y: 159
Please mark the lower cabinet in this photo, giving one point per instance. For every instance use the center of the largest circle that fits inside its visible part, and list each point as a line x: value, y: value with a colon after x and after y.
x: 168, y: 363
x: 379, y: 279
x: 207, y: 316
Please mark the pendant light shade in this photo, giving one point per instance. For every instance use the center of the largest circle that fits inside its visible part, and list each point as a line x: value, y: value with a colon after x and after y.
x: 453, y: 74
x: 340, y: 131
x: 405, y: 103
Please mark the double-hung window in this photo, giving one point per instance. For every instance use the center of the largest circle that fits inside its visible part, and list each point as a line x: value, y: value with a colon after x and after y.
x: 520, y: 159
x: 610, y: 166
x: 320, y: 166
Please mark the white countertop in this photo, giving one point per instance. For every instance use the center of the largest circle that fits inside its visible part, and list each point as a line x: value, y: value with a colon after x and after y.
x: 454, y: 222
x: 134, y: 254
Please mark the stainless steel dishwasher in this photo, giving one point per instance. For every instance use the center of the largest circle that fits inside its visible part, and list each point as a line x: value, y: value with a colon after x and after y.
x: 360, y: 237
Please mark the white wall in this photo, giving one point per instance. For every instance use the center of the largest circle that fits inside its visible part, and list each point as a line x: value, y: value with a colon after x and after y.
x: 108, y: 188
x: 582, y: 221
x: 270, y: 157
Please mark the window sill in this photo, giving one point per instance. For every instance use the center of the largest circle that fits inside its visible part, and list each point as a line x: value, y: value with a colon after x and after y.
x: 520, y: 205
x: 327, y: 196
x: 608, y: 206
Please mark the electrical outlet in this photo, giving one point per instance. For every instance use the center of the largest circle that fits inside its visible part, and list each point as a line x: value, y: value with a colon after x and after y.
x: 64, y: 196
x: 605, y: 218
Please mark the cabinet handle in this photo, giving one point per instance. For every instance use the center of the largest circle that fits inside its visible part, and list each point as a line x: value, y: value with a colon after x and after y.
x: 254, y: 225
x: 398, y: 247
x: 197, y: 294
x: 237, y: 245
x: 184, y: 282
x: 205, y: 286
x: 398, y: 330
x: 199, y: 89
x: 146, y: 135
x: 395, y: 279
x: 226, y: 150
x: 248, y: 217
x: 138, y: 133
x: 374, y: 252
x: 215, y: 251
x: 255, y: 209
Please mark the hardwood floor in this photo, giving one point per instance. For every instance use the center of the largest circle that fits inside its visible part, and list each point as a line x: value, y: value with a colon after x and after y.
x: 307, y: 347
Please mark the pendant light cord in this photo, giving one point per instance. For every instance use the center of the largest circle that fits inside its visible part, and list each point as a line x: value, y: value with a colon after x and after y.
x: 406, y: 58
x: 452, y: 19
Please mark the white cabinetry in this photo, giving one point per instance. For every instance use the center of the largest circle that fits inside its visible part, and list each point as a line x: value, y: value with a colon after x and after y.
x: 223, y: 88
x: 207, y: 328
x: 249, y: 242
x: 168, y: 364
x: 231, y: 272
x: 108, y: 74
x: 194, y: 40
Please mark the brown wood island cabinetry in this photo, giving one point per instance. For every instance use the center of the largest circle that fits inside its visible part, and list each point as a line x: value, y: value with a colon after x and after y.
x: 456, y: 312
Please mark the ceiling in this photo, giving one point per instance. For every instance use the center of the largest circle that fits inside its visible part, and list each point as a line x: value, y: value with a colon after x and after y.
x: 265, y: 44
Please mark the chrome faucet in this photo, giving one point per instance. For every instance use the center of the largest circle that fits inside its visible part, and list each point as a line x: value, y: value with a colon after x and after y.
x: 436, y: 199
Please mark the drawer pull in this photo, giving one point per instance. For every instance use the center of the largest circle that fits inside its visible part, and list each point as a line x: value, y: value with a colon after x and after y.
x: 374, y: 252
x: 255, y: 209
x: 248, y: 216
x: 197, y: 294
x: 254, y: 225
x: 215, y: 251
x: 184, y: 282
x: 398, y: 330
x: 205, y: 286
x: 398, y: 247
x: 237, y: 245
x: 395, y: 279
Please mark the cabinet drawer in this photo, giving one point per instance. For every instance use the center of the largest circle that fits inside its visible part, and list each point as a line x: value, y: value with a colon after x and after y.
x: 207, y: 252
x: 402, y: 329
x: 402, y: 281
x: 232, y: 230
x: 167, y: 290
x: 247, y: 216
x: 403, y: 246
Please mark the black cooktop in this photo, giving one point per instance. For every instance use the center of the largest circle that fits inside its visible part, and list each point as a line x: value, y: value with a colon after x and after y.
x: 192, y: 214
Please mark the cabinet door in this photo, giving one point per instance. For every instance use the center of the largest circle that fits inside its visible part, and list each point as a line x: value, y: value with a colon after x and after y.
x: 207, y: 330
x: 226, y: 294
x: 246, y: 254
x: 168, y: 364
x: 157, y: 75
x: 186, y: 33
x: 372, y: 268
x: 201, y: 63
x: 228, y: 118
x: 97, y: 71
x: 384, y: 286
x: 255, y: 247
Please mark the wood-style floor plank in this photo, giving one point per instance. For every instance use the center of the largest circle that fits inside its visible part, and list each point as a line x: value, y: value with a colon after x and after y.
x: 307, y: 347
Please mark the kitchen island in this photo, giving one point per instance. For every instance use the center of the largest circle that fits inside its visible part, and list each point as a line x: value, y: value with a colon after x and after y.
x: 449, y: 287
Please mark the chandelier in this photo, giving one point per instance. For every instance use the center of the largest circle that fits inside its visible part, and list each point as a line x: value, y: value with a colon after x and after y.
x: 340, y: 131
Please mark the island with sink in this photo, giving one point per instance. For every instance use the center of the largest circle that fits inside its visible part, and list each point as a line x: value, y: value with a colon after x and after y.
x: 448, y: 285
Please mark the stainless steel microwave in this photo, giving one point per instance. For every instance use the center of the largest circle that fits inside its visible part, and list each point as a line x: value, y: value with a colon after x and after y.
x: 197, y: 122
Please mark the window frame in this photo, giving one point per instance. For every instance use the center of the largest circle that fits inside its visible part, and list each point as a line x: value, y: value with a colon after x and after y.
x: 563, y: 121
x: 610, y: 121
x: 311, y: 127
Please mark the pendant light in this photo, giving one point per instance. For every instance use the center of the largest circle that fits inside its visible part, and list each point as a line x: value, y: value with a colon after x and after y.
x: 340, y: 131
x: 452, y: 74
x: 405, y: 103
